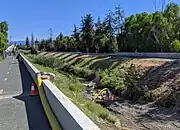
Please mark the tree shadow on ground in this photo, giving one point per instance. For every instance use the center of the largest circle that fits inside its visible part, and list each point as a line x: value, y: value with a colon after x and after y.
x: 104, y: 63
x: 89, y: 61
x: 63, y: 58
x: 78, y: 60
x: 58, y: 56
x: 55, y: 53
x: 73, y: 57
x: 43, y: 53
x: 118, y: 63
x: 36, y: 117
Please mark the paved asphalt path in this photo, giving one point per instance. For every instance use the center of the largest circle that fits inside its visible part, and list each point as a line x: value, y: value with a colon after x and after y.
x: 19, y: 111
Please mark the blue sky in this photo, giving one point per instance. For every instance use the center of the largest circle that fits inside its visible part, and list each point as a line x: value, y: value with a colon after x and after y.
x: 37, y: 16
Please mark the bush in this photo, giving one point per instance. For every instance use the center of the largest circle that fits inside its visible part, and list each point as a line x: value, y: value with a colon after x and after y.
x: 1, y: 56
x: 149, y: 96
x: 113, y: 78
x: 75, y: 87
x: 175, y: 46
x: 61, y: 65
x: 46, y: 61
x: 133, y: 92
x: 82, y: 72
x: 105, y: 116
x: 34, y: 50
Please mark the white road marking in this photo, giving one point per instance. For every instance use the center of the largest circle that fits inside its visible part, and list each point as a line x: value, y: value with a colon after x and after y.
x: 7, y: 72
x: 7, y: 96
x: 5, y: 79
x: 9, y: 68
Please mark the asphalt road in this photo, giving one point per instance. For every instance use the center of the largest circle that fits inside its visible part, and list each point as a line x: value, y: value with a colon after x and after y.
x: 19, y: 111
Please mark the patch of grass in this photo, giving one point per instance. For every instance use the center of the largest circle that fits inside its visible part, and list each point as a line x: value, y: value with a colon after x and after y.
x: 1, y: 59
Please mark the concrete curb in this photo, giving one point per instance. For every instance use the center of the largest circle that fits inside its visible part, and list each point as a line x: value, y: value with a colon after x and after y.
x: 67, y: 114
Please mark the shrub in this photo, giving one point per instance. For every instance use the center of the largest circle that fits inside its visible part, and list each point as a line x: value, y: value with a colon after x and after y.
x: 46, y: 61
x: 61, y: 65
x: 175, y: 46
x: 33, y: 50
x: 1, y: 56
x: 105, y: 116
x: 82, y: 72
x: 113, y: 78
x: 149, y: 96
x: 75, y: 87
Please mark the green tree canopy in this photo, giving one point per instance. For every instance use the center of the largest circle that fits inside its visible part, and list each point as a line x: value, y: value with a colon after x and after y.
x: 27, y: 42
x: 143, y: 32
x: 87, y: 33
x: 3, y: 35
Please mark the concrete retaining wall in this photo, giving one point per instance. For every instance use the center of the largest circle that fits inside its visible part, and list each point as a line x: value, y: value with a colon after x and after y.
x: 68, y: 115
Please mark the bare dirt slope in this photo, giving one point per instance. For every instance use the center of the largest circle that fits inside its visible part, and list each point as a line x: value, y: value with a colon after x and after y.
x: 162, y: 78
x: 146, y: 117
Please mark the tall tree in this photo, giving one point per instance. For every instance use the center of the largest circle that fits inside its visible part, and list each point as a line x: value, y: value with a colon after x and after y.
x: 27, y: 42
x: 110, y: 32
x: 32, y: 40
x: 99, y: 35
x: 58, y: 42
x: 42, y: 45
x: 75, y: 35
x: 119, y: 20
x: 87, y: 33
x: 36, y: 41
x: 172, y: 13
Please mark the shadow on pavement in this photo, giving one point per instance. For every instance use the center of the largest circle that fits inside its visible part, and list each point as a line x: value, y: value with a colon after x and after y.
x: 36, y: 117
